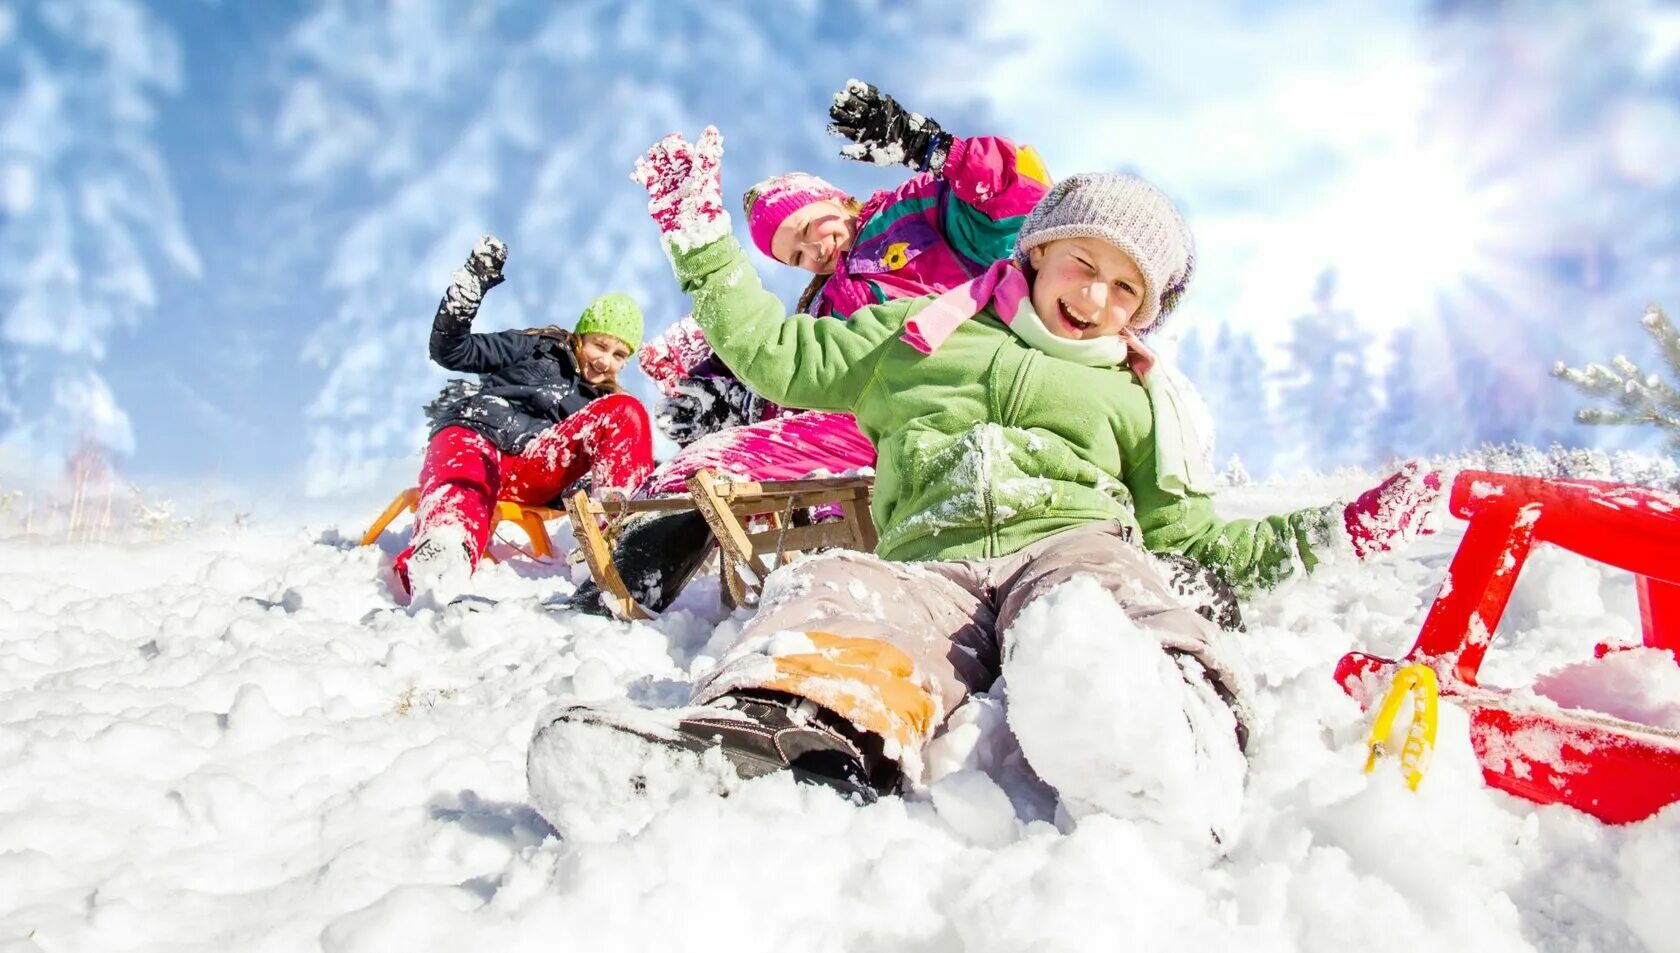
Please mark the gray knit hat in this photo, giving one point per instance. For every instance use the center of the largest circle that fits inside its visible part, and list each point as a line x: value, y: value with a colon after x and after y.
x: 1130, y: 214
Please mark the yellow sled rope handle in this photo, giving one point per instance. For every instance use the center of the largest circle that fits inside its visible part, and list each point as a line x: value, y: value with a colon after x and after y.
x: 1419, y: 682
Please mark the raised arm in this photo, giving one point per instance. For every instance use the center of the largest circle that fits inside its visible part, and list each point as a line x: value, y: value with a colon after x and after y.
x: 995, y: 182
x: 799, y: 361
x: 453, y: 345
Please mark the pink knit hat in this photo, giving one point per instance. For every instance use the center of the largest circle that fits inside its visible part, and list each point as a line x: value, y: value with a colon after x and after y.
x: 770, y: 202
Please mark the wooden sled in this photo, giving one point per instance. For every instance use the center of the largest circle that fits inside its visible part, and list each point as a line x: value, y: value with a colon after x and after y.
x: 750, y: 521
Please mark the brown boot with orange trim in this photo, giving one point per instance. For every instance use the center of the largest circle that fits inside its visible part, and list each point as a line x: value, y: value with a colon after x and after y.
x: 597, y: 772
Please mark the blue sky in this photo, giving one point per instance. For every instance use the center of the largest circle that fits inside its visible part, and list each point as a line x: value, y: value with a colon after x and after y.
x: 224, y: 226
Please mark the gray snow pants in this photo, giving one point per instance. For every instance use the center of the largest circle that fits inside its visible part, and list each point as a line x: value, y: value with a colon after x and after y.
x: 895, y: 647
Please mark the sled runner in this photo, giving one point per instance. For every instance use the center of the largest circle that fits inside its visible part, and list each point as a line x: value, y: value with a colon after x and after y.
x: 750, y: 520
x: 532, y: 519
x: 1616, y: 770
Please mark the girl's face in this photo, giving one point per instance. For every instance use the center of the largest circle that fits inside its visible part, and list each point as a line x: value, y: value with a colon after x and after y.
x: 1084, y: 287
x: 815, y: 236
x: 601, y: 357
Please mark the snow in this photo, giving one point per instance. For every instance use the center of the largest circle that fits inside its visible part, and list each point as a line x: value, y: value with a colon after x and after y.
x: 237, y: 739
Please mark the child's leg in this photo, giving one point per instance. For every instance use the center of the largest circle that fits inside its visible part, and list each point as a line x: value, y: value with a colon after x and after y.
x: 458, y: 484
x: 611, y: 439
x: 1127, y: 706
x: 890, y: 647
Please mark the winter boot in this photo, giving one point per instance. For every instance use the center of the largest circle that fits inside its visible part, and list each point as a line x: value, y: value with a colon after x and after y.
x: 596, y: 772
x: 656, y: 556
x: 436, y: 570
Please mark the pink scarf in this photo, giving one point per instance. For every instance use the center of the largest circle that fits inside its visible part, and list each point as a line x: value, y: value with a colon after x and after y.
x: 1004, y: 285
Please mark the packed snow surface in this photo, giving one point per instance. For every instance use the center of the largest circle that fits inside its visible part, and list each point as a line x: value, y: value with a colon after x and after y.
x: 239, y: 740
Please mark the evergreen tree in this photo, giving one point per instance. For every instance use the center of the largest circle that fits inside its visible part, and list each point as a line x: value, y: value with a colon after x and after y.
x: 1327, y: 393
x: 1401, y: 429
x: 1240, y: 402
x: 89, y: 219
x: 1633, y: 396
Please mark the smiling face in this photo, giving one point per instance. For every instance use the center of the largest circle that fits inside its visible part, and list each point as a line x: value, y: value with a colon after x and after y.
x: 1084, y: 287
x: 601, y: 357
x: 815, y: 236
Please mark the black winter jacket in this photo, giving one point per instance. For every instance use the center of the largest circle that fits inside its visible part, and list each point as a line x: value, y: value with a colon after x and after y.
x: 528, y: 381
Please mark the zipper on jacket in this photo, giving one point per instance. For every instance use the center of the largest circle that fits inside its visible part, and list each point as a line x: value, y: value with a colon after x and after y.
x: 986, y: 497
x: 1018, y: 387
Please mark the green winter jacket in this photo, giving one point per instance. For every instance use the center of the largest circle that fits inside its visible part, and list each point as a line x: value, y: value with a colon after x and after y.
x: 985, y: 445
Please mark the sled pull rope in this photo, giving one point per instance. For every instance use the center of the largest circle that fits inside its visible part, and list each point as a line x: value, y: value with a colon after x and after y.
x: 1419, y: 682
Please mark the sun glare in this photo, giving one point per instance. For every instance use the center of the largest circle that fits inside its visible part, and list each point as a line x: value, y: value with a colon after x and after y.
x: 1413, y: 230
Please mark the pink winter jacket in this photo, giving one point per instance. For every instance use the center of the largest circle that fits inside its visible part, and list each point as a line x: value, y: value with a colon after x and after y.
x: 927, y: 236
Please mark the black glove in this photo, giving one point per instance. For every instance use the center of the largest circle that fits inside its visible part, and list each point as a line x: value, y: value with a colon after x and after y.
x: 486, y: 261
x: 884, y: 132
x: 467, y: 286
x: 706, y: 405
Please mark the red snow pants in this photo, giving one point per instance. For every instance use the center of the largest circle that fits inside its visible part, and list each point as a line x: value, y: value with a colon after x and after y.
x: 464, y: 475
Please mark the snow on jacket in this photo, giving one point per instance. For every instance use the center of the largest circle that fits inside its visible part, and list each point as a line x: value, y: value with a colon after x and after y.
x: 985, y: 445
x: 930, y: 234
x: 528, y: 381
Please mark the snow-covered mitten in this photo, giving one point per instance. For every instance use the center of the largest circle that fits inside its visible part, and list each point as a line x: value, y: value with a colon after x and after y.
x: 684, y: 182
x: 467, y: 286
x: 885, y: 133
x: 1396, y: 510
x: 669, y: 358
x: 706, y: 405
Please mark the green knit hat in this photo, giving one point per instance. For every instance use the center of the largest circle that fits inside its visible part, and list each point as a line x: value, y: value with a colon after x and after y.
x: 616, y: 315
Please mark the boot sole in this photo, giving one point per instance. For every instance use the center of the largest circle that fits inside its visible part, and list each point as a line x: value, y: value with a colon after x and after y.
x: 597, y: 779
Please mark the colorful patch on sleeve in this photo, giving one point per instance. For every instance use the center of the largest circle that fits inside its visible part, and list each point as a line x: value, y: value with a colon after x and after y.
x: 894, y: 248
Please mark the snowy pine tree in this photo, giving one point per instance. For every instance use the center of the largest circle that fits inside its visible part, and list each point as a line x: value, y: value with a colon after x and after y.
x: 1327, y: 392
x: 1241, y: 403
x: 1402, y: 430
x: 89, y: 218
x: 1632, y: 395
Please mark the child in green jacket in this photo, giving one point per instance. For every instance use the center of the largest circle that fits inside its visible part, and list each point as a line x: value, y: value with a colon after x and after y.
x: 1018, y: 451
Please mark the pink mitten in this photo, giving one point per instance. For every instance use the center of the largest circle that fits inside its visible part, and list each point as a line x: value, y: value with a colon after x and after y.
x: 684, y: 182
x: 668, y: 359
x: 1393, y: 511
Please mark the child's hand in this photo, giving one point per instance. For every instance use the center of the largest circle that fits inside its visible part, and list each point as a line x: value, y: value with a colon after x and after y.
x: 486, y: 261
x: 684, y: 182
x: 467, y: 286
x: 1396, y: 510
x: 668, y: 359
x: 705, y: 405
x: 884, y: 132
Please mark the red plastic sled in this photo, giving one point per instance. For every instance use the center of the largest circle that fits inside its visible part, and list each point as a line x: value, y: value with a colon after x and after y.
x: 1618, y: 771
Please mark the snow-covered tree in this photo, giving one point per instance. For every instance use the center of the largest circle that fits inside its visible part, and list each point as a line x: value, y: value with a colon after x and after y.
x: 89, y: 216
x: 1327, y: 393
x: 1402, y: 428
x: 1634, y: 396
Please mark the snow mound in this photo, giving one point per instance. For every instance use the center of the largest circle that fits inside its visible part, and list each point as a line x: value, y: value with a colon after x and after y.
x: 239, y: 740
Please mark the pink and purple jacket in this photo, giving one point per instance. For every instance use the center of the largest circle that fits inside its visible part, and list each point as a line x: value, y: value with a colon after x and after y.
x: 925, y: 237
x: 936, y: 232
x: 929, y: 235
